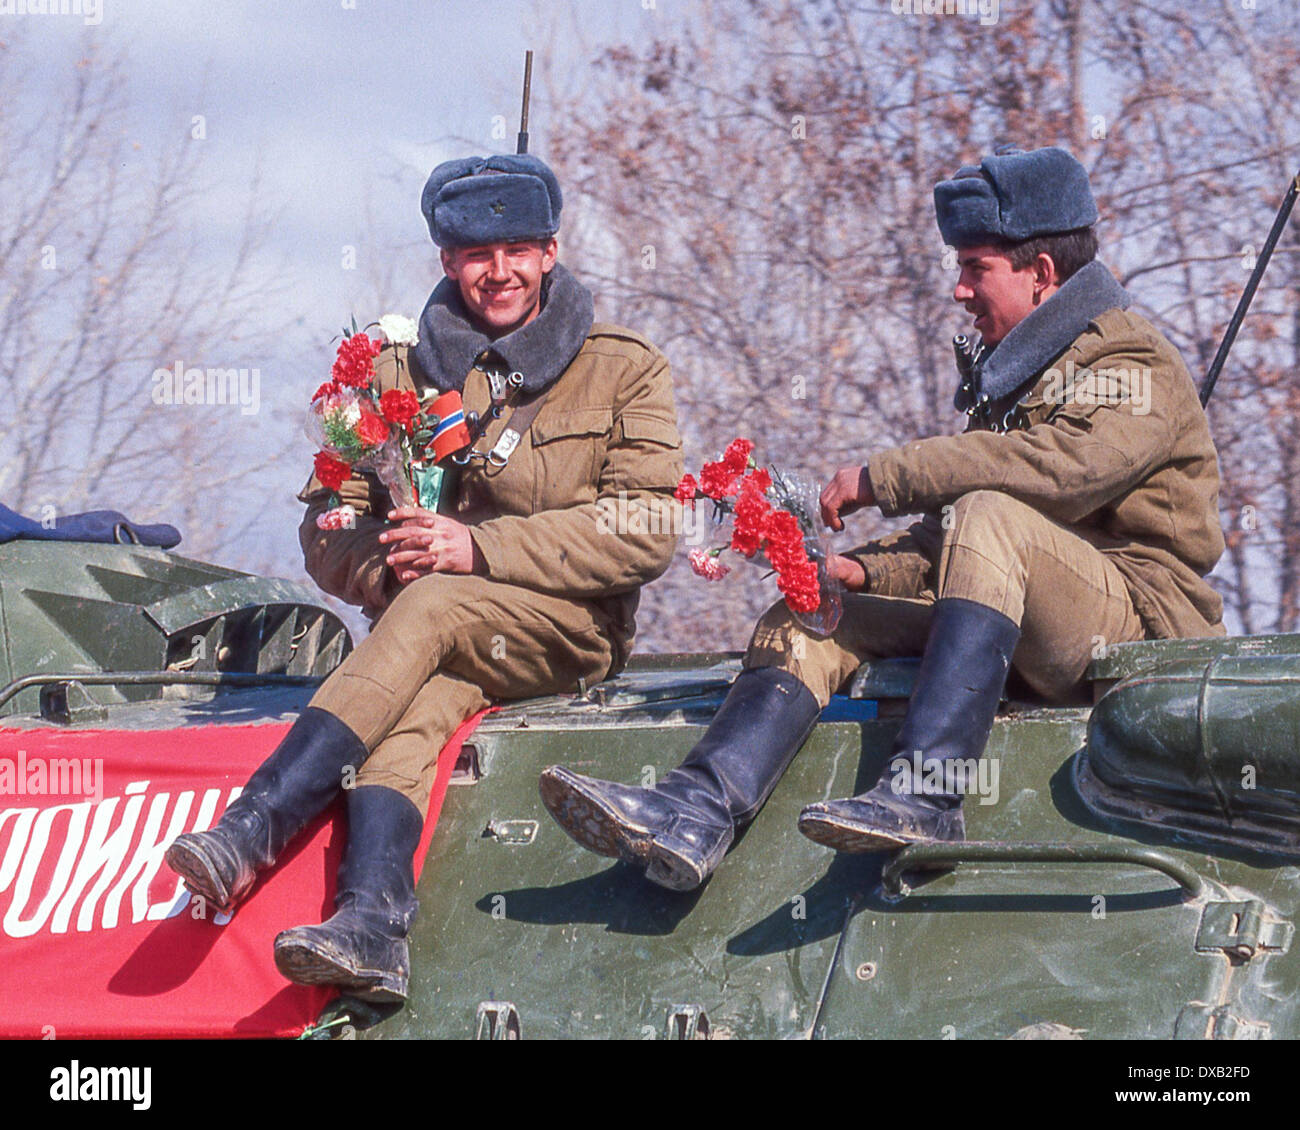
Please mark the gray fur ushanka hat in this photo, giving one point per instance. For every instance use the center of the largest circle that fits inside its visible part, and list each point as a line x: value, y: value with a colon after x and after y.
x: 1015, y: 195
x: 473, y: 201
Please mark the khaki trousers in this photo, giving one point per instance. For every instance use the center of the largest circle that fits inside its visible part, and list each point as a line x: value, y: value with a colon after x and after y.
x: 445, y: 647
x: 1067, y: 596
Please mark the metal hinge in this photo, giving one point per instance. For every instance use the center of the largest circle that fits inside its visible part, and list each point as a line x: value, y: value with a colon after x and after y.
x: 1200, y: 1021
x: 1242, y: 929
x: 496, y: 1020
x: 512, y: 831
x: 687, y: 1022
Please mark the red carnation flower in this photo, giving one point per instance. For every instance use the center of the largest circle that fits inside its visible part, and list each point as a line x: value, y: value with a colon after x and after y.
x: 355, y: 363
x: 757, y: 480
x: 331, y: 472
x: 784, y: 540
x: 718, y: 481
x: 371, y: 429
x: 741, y: 488
x: 329, y: 388
x: 399, y: 406
x: 736, y: 457
x: 797, y: 577
x: 752, y: 509
x: 801, y: 587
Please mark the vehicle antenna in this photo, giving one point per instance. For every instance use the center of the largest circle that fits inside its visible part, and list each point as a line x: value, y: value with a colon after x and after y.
x: 1239, y: 315
x: 523, y: 113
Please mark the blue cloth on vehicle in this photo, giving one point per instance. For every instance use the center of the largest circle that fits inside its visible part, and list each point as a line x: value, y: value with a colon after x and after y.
x: 110, y: 526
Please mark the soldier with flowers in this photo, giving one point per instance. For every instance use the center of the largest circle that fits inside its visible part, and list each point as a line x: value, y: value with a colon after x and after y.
x: 1052, y: 522
x: 513, y: 587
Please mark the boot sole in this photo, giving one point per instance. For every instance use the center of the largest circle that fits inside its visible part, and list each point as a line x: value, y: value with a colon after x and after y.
x: 199, y: 873
x: 591, y: 823
x: 852, y: 839
x: 307, y: 962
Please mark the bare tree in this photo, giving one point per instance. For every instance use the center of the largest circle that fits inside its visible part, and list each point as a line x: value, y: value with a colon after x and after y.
x: 755, y: 191
x: 106, y: 281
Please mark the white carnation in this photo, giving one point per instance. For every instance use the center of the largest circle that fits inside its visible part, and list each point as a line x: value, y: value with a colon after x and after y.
x: 398, y: 330
x: 343, y: 410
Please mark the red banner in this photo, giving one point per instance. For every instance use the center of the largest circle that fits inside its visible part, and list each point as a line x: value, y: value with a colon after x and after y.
x: 97, y: 936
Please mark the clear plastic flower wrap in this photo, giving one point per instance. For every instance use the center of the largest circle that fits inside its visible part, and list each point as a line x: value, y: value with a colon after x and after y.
x: 774, y: 513
x: 345, y: 426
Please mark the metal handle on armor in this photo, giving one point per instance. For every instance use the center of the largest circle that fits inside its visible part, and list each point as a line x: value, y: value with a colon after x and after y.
x: 918, y: 857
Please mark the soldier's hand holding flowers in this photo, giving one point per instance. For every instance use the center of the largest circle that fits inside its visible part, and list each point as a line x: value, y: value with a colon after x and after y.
x: 848, y: 572
x: 424, y: 542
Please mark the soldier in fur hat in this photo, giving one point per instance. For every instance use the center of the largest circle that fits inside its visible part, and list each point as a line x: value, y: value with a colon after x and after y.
x: 1080, y: 504
x: 521, y: 589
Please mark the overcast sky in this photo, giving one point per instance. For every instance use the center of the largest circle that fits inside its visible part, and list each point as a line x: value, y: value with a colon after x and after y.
x: 328, y: 97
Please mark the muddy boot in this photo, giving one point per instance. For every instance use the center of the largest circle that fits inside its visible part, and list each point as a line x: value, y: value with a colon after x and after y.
x: 958, y: 687
x: 363, y: 948
x: 289, y: 788
x: 680, y: 829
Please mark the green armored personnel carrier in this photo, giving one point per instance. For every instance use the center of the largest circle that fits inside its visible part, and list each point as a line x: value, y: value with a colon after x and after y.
x: 1134, y: 874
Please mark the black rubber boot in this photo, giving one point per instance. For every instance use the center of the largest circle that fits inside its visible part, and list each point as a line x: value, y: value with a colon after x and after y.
x: 680, y: 830
x: 363, y: 947
x: 958, y: 687
x: 289, y: 788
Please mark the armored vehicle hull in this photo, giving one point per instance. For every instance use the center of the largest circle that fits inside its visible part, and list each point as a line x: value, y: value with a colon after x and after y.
x: 1131, y: 871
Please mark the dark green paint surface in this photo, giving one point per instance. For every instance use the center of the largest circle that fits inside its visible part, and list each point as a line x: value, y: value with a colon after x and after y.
x: 787, y: 940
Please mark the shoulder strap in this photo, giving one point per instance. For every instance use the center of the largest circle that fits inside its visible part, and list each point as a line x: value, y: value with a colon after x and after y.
x: 517, y: 423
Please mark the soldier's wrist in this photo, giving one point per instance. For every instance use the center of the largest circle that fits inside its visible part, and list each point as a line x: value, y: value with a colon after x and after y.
x: 852, y: 573
x: 479, y: 567
x: 866, y: 494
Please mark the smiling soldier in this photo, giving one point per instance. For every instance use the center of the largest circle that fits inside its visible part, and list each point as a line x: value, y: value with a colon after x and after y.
x: 522, y: 590
x: 1050, y: 524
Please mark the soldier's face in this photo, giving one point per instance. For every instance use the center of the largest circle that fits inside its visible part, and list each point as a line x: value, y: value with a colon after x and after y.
x: 501, y: 283
x: 998, y: 296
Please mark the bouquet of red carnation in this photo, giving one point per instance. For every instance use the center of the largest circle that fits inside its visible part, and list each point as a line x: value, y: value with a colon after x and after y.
x: 393, y: 435
x: 774, y: 513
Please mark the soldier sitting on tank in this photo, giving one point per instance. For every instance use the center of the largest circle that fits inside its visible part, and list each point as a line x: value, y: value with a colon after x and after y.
x: 524, y: 592
x: 1079, y: 505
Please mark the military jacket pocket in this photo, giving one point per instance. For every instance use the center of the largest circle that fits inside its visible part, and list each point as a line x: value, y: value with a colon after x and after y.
x: 568, y: 450
x: 651, y: 452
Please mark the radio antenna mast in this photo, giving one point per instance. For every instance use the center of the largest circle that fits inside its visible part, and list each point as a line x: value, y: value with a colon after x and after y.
x: 523, y: 112
x: 1239, y: 315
